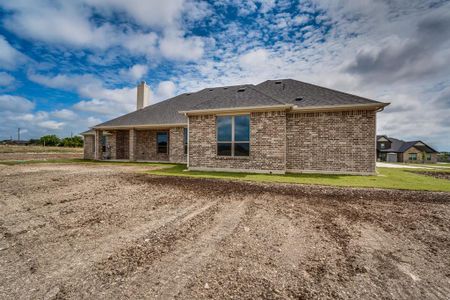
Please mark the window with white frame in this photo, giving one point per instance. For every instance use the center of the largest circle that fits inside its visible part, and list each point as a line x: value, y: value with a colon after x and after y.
x: 413, y: 156
x: 233, y: 135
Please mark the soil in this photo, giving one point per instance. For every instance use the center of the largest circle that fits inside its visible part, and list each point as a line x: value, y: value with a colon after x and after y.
x: 39, y: 156
x: 435, y: 174
x: 71, y: 231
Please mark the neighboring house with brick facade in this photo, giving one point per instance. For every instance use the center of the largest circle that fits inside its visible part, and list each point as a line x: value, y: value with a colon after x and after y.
x: 390, y: 149
x: 277, y: 126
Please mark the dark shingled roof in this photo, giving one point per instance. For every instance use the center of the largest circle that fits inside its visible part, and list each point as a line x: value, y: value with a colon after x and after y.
x: 290, y: 91
x: 401, y: 146
x: 268, y: 93
x: 87, y: 132
x: 235, y: 97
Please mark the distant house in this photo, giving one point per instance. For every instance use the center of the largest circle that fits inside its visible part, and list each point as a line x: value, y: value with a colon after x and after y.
x: 390, y: 149
x: 276, y: 126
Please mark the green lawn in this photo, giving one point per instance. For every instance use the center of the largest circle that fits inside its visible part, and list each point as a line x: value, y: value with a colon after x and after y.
x: 388, y: 178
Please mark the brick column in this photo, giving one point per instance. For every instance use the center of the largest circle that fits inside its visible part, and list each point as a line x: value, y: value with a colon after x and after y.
x: 98, y: 145
x: 132, y: 144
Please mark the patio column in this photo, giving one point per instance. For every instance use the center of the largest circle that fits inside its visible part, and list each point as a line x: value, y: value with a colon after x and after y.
x: 132, y: 144
x: 98, y: 145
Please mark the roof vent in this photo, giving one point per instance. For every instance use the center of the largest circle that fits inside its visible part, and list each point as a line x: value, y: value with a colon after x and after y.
x: 299, y: 99
x: 188, y: 94
x: 240, y: 90
x: 278, y: 82
x: 211, y: 90
x: 225, y: 88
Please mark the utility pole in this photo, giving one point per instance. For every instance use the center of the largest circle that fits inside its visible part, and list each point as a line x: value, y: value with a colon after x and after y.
x: 18, y: 134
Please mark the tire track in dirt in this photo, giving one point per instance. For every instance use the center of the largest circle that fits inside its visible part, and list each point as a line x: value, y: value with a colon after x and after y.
x: 186, y: 261
x: 112, y: 271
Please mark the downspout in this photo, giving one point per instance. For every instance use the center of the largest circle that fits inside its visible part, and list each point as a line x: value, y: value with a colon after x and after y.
x: 188, y: 144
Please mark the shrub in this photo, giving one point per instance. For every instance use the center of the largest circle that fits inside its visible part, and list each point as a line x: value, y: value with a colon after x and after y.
x: 75, y: 141
x: 49, y: 140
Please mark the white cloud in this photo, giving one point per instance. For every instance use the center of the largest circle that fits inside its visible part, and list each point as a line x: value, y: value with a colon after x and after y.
x: 6, y: 79
x: 9, y: 56
x: 141, y: 43
x: 108, y: 102
x: 178, y: 47
x: 301, y: 19
x: 64, y: 81
x: 255, y: 59
x: 63, y: 22
x: 15, y: 104
x: 135, y: 72
x: 64, y: 114
x: 50, y: 124
x: 98, y: 98
x: 54, y: 22
x: 153, y: 13
x: 165, y: 90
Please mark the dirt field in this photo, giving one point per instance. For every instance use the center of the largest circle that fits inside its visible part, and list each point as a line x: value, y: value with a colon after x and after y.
x: 73, y: 231
x: 8, y: 152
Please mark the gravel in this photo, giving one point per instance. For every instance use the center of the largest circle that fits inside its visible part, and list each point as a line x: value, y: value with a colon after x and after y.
x: 71, y: 231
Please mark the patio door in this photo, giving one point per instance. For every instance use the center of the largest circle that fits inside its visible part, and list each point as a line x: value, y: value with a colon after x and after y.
x: 122, y: 144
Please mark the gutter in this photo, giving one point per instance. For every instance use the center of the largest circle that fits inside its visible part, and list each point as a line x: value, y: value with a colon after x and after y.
x: 379, y: 106
x: 150, y: 126
x: 237, y: 109
x: 289, y: 107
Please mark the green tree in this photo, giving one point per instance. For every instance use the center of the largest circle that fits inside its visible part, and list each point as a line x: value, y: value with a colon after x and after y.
x: 49, y: 140
x: 75, y: 141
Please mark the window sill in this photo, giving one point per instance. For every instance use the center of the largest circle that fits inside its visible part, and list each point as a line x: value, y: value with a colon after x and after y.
x: 233, y: 157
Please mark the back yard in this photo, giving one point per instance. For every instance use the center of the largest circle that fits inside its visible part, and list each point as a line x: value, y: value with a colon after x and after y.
x: 87, y: 230
x: 13, y: 152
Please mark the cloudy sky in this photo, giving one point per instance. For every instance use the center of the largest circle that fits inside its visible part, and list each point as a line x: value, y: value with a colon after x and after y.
x: 68, y: 65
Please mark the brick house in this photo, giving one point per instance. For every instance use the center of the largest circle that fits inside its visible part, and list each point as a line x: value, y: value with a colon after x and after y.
x: 276, y: 126
x: 390, y: 149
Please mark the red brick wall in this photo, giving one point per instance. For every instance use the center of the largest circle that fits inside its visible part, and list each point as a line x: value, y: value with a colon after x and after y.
x: 146, y: 146
x: 267, y: 143
x: 89, y: 147
x: 331, y: 141
x: 177, y: 145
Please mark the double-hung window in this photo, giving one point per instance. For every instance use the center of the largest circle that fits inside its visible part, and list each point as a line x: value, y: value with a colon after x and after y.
x: 233, y: 135
x: 162, y: 141
x: 413, y: 156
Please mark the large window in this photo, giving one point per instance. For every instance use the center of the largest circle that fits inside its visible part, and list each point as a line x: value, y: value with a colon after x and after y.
x: 233, y: 135
x: 185, y: 140
x: 413, y: 156
x: 428, y: 156
x: 162, y: 142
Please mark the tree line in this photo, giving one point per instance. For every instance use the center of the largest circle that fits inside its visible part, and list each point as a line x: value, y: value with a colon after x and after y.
x: 53, y: 140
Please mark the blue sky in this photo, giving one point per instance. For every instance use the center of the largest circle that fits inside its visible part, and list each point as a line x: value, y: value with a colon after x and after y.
x: 68, y: 65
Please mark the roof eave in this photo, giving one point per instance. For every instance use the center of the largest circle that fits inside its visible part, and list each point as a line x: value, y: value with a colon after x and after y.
x: 365, y: 106
x: 237, y: 109
x: 141, y: 126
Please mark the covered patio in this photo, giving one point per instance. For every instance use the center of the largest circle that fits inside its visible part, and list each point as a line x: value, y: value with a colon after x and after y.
x: 157, y: 144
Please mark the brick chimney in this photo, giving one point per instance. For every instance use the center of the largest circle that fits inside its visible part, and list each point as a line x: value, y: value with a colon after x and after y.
x: 143, y: 93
